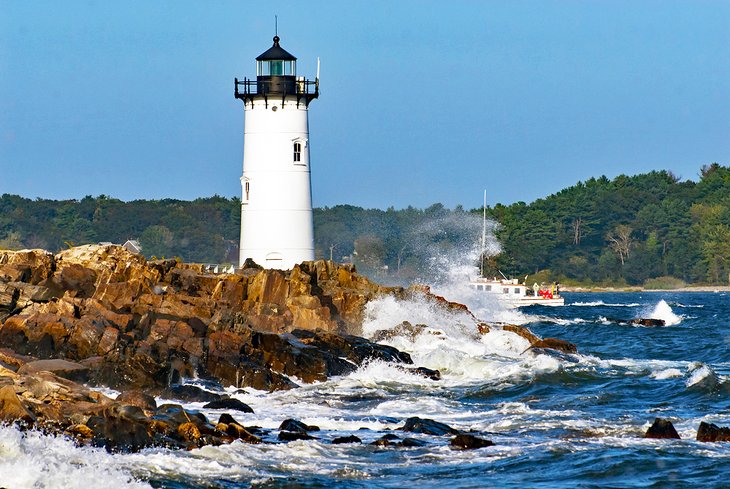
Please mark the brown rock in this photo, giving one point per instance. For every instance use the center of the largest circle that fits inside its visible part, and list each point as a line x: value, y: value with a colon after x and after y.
x: 469, y: 442
x: 709, y: 432
x: 80, y: 432
x: 537, y: 342
x: 15, y: 273
x: 11, y: 409
x: 63, y: 368
x: 238, y: 432
x: 137, y: 398
x: 662, y: 429
x: 556, y: 344
x: 522, y: 331
x: 41, y: 263
x: 188, y: 432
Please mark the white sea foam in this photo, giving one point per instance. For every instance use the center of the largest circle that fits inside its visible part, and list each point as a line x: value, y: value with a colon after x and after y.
x: 33, y: 460
x: 701, y: 376
x: 451, y: 344
x: 668, y: 373
x: 601, y: 303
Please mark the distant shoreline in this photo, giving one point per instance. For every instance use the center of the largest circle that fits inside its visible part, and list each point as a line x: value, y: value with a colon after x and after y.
x: 695, y: 288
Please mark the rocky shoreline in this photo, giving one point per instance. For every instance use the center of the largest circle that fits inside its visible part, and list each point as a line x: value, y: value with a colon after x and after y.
x: 100, y: 316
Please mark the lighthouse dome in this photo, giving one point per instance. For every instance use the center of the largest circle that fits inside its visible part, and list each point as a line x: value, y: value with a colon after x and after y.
x: 276, y: 52
x: 276, y: 61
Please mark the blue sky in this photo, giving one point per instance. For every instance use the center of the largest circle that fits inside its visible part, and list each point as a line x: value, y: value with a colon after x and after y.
x: 421, y: 101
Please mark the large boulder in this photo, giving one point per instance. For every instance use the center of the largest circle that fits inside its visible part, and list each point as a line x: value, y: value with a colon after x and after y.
x: 63, y: 368
x: 428, y: 427
x: 709, y: 432
x: 662, y: 428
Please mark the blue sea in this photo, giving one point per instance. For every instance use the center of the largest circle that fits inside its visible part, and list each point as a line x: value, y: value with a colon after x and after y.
x: 557, y: 420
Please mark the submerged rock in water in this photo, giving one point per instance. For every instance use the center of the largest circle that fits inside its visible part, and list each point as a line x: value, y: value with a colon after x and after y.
x: 189, y: 393
x: 469, y: 442
x: 537, y: 342
x: 640, y: 321
x: 662, y: 429
x: 346, y: 439
x: 425, y: 372
x: 648, y: 322
x: 295, y: 435
x: 709, y: 432
x: 428, y: 427
x: 386, y: 440
x: 298, y: 426
x: 229, y: 403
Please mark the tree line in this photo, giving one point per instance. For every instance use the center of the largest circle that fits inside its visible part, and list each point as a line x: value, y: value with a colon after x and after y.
x: 628, y: 230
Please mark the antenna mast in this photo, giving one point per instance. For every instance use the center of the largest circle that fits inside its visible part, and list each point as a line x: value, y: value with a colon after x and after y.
x: 276, y: 25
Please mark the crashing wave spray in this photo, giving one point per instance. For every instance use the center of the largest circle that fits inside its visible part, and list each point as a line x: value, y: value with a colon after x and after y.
x: 664, y: 312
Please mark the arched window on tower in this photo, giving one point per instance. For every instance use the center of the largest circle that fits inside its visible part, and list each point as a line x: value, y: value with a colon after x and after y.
x: 297, y: 151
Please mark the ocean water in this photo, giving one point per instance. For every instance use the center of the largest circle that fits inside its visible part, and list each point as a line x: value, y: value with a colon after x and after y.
x: 556, y: 420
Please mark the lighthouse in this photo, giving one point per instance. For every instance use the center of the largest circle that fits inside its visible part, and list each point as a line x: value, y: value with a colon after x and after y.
x: 277, y: 230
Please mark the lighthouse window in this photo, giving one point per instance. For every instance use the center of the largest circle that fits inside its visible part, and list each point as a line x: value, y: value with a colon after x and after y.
x: 277, y: 67
x: 297, y: 151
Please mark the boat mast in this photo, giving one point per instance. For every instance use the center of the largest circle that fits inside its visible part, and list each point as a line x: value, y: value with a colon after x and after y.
x: 484, y: 235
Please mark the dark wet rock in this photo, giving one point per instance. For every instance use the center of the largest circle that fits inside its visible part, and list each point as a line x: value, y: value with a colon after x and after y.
x: 356, y: 349
x: 229, y: 403
x: 709, y: 432
x: 556, y: 344
x: 298, y: 426
x: 226, y: 418
x: 120, y: 428
x: 175, y: 413
x: 426, y: 372
x: 386, y: 441
x: 469, y: 442
x: 295, y: 435
x: 537, y: 342
x: 428, y: 427
x: 63, y: 368
x: 346, y: 439
x: 189, y: 393
x: 412, y: 443
x: 648, y: 322
x: 639, y: 321
x: 662, y: 429
x: 137, y: 398
x: 405, y: 329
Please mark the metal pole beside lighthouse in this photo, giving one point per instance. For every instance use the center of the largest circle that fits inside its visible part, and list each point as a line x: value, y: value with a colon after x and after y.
x: 277, y: 229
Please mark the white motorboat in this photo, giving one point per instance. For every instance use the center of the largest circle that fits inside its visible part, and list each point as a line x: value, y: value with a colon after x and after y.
x: 514, y: 294
x: 509, y: 291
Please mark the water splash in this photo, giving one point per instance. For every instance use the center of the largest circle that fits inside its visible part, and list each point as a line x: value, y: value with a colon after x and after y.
x: 56, y: 462
x: 664, y: 312
x: 449, y: 341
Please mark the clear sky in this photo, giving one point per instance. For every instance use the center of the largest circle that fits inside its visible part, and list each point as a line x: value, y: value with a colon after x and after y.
x: 421, y: 101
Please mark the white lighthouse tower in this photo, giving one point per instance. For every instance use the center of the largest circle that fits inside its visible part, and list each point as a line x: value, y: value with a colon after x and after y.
x: 276, y: 206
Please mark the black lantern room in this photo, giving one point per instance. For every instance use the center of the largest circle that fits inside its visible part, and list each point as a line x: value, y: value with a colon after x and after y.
x: 276, y: 78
